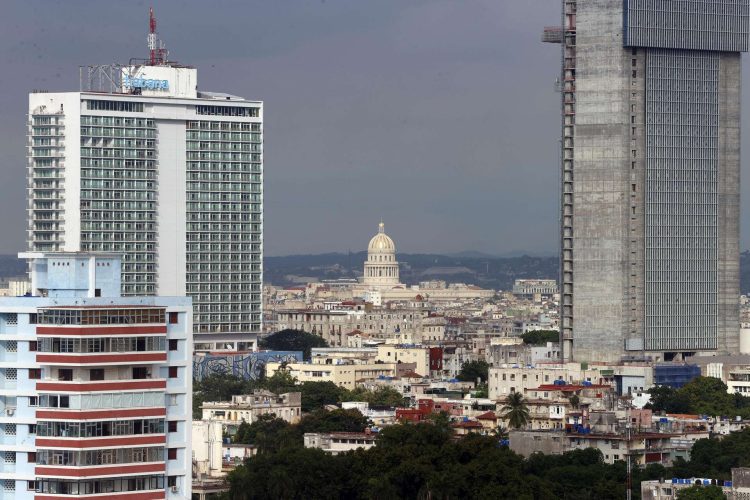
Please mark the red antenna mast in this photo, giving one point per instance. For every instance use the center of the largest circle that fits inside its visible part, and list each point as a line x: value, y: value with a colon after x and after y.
x: 157, y: 50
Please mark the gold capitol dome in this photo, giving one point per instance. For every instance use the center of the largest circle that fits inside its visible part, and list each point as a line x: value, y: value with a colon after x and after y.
x: 381, y: 267
x: 381, y: 242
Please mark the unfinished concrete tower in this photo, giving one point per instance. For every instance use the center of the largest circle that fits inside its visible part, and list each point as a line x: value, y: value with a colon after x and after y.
x: 650, y: 176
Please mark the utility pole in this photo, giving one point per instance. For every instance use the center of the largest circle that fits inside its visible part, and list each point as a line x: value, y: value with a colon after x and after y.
x: 630, y: 472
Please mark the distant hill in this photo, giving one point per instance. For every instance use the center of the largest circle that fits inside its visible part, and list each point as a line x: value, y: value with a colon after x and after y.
x: 11, y: 266
x: 485, y: 271
x: 467, y: 267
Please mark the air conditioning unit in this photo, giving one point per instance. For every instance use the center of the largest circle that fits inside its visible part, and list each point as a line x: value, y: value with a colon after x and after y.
x: 174, y: 489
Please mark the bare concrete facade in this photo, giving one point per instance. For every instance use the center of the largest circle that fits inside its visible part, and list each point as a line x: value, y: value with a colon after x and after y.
x: 650, y: 190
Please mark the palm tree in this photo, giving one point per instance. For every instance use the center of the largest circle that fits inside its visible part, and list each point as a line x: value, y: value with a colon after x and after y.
x: 516, y: 411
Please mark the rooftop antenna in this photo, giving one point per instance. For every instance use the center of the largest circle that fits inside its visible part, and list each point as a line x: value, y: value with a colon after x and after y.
x: 157, y: 50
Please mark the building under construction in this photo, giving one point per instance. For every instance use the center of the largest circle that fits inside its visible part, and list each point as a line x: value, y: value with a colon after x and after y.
x: 649, y: 243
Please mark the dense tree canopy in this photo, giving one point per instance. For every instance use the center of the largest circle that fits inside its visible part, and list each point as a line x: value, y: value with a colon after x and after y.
x: 425, y: 461
x: 293, y: 340
x: 701, y: 493
x: 382, y: 396
x: 701, y: 396
x: 473, y: 370
x: 333, y: 421
x: 716, y: 457
x: 270, y: 434
x: 319, y: 394
x: 540, y: 337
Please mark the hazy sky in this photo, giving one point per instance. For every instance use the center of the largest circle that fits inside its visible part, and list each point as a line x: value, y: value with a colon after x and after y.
x: 438, y: 116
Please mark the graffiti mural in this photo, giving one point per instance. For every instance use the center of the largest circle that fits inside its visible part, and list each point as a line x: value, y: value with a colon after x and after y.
x: 248, y: 365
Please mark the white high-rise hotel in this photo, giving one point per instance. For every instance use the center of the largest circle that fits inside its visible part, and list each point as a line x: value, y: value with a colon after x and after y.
x: 167, y: 176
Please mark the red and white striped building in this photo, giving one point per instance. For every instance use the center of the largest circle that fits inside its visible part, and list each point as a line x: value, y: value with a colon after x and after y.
x: 95, y: 392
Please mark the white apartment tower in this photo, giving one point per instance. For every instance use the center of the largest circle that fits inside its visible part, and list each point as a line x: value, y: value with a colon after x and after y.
x: 169, y: 177
x: 95, y: 388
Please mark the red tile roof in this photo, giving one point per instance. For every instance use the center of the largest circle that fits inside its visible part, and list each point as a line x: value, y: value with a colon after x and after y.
x: 490, y: 415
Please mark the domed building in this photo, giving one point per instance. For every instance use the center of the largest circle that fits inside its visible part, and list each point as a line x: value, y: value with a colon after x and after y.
x: 381, y: 267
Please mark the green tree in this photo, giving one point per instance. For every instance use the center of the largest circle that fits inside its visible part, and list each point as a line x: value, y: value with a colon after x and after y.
x: 426, y: 460
x: 280, y: 382
x: 516, y: 411
x: 293, y: 340
x: 660, y: 397
x: 269, y: 434
x: 540, y: 337
x: 698, y: 492
x: 703, y: 396
x: 481, y: 391
x: 708, y: 396
x: 333, y: 421
x: 667, y: 399
x: 717, y: 457
x: 441, y: 420
x: 473, y: 370
x: 317, y: 395
x: 219, y: 387
x: 291, y: 473
x: 382, y: 396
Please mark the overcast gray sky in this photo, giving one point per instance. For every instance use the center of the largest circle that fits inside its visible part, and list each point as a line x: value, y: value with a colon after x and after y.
x: 437, y: 115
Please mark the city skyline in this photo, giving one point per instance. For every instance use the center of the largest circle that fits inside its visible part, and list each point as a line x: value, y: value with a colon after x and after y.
x: 327, y: 184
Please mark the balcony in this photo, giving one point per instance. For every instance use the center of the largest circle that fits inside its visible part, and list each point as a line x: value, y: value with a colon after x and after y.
x: 101, y: 385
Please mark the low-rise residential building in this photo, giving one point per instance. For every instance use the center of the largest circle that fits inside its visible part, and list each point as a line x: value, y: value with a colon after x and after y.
x: 248, y: 407
x: 96, y: 387
x: 638, y: 434
x: 338, y: 355
x: 420, y: 355
x: 626, y: 379
x: 234, y: 454
x: 550, y: 405
x: 643, y: 447
x: 466, y: 426
x: 208, y: 488
x: 512, y: 351
x: 734, y: 371
x: 535, y: 287
x: 339, y: 442
x: 505, y: 380
x: 668, y: 489
x: 347, y: 375
x: 378, y: 416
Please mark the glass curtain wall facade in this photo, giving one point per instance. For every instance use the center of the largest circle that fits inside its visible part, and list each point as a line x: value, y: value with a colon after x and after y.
x: 119, y: 195
x: 224, y: 219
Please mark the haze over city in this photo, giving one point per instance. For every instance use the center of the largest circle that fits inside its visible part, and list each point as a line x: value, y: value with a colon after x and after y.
x: 440, y: 117
x: 338, y: 249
